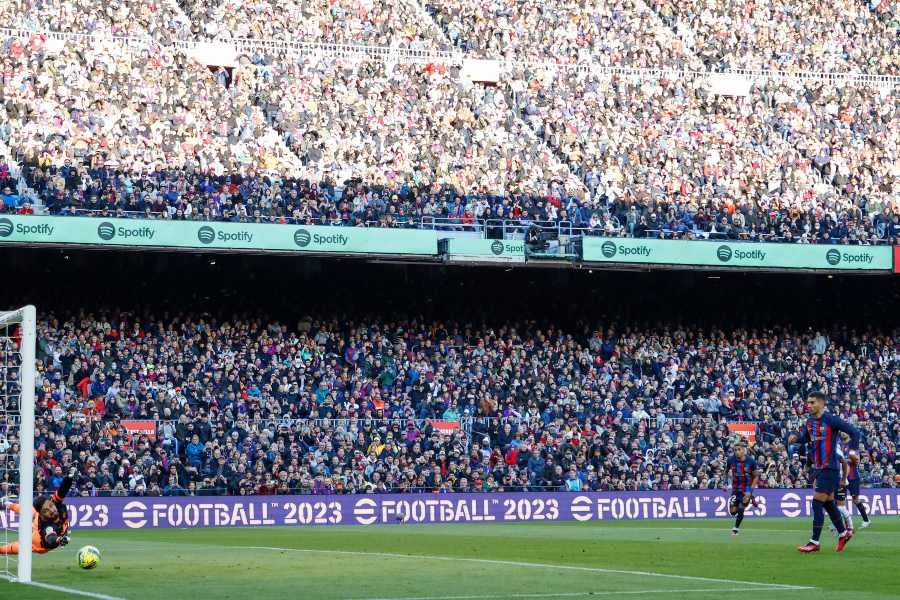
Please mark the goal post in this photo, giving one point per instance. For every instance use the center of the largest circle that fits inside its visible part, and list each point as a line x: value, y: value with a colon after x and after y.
x: 18, y: 333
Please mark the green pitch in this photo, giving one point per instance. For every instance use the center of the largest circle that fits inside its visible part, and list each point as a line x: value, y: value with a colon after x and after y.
x: 665, y: 560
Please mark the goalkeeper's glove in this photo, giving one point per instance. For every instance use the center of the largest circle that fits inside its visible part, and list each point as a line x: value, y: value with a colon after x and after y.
x: 64, y: 540
x: 51, y: 538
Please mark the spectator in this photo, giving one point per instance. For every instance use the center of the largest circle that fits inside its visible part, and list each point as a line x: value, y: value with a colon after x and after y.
x: 9, y: 201
x: 173, y: 489
x: 573, y: 483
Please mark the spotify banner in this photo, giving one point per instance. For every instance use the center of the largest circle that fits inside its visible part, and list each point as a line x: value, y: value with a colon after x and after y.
x: 214, y: 235
x: 740, y: 255
x: 486, y: 250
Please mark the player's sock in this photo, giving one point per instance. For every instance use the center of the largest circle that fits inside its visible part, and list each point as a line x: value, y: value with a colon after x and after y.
x: 834, y: 514
x: 12, y: 548
x: 862, y: 511
x: 818, y: 509
x: 845, y: 515
x: 739, y: 519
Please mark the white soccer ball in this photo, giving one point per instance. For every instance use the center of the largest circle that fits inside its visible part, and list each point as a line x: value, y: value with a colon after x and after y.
x: 88, y: 557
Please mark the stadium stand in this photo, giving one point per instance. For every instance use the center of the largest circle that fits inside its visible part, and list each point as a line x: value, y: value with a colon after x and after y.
x: 375, y: 23
x: 818, y: 36
x: 373, y: 142
x: 161, y: 19
x: 252, y: 407
x: 604, y: 119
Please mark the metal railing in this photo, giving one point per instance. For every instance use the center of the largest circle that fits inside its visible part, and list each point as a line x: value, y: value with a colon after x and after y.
x: 527, y: 420
x: 704, y: 236
x: 431, y: 55
x: 347, y: 425
x: 308, y: 491
x: 398, y: 55
x: 432, y: 223
x: 756, y: 75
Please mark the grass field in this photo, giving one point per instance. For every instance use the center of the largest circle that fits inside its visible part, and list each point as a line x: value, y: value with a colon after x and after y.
x: 656, y: 559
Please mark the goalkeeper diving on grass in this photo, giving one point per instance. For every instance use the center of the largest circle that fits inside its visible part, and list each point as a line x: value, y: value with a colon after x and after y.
x: 49, y: 520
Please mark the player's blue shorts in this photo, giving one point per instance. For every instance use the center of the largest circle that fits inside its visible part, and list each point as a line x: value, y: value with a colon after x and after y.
x: 853, y: 487
x: 827, y: 480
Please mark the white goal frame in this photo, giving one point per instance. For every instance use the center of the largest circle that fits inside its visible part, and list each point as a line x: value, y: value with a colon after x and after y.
x: 26, y: 318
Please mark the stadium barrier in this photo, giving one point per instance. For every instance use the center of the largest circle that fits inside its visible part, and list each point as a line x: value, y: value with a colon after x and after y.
x: 737, y: 254
x: 284, y: 48
x: 216, y: 235
x: 486, y: 250
x: 245, y: 511
x: 373, y: 241
x: 485, y: 228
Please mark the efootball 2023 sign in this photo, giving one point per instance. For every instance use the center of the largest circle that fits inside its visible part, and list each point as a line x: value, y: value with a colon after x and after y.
x: 384, y: 509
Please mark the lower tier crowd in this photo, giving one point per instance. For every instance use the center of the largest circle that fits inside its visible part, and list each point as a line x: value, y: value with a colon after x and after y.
x: 325, y: 405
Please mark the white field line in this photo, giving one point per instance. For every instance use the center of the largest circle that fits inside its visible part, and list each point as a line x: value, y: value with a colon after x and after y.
x: 512, y: 563
x: 59, y: 588
x: 577, y: 594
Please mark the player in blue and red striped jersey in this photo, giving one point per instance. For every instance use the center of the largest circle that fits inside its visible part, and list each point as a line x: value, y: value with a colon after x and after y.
x: 821, y: 433
x: 850, y: 484
x: 840, y: 497
x: 744, y: 473
x: 853, y: 489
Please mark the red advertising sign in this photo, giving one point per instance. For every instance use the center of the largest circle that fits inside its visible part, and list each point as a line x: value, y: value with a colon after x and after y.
x: 134, y: 428
x: 745, y: 430
x: 446, y: 427
x: 896, y: 259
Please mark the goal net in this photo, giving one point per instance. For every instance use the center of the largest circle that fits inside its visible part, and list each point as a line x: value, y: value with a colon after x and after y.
x: 17, y: 368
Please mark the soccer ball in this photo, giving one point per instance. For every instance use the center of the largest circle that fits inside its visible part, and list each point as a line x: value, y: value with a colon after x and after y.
x: 88, y: 557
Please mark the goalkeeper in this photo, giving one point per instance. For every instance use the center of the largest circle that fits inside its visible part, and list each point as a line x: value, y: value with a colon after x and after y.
x: 49, y: 520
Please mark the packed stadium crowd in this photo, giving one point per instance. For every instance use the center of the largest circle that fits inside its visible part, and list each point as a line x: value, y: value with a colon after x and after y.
x: 251, y: 406
x: 105, y: 129
x: 818, y: 36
